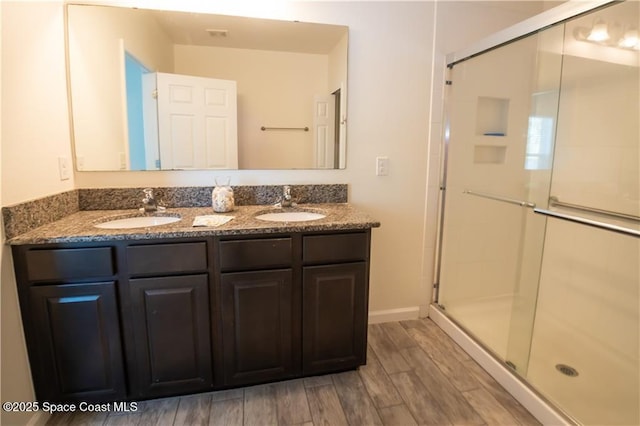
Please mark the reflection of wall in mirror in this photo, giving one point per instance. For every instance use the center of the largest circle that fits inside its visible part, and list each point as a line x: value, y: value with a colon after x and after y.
x: 97, y: 49
x: 275, y: 89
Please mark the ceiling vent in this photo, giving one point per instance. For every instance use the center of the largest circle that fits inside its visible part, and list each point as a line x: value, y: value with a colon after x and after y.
x: 217, y: 33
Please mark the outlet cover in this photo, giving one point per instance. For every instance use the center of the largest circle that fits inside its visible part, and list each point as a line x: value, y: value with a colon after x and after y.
x: 64, y: 167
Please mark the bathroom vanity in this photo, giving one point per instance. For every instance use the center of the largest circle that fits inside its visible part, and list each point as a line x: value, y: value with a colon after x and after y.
x: 115, y: 315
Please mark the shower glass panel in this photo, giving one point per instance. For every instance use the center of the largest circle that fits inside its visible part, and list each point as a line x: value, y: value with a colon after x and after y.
x: 502, y: 108
x: 588, y: 305
x: 550, y: 122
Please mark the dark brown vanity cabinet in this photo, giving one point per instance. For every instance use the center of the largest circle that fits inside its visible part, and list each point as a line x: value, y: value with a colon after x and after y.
x: 167, y: 302
x: 257, y: 325
x: 70, y: 314
x: 79, y: 351
x: 260, y: 306
x: 334, y: 301
x: 172, y: 334
x: 135, y: 319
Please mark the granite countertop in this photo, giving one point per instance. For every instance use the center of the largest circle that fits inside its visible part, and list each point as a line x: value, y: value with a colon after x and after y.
x: 78, y: 227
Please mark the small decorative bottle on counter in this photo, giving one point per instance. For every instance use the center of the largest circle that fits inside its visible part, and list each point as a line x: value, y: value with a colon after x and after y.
x: 222, y: 197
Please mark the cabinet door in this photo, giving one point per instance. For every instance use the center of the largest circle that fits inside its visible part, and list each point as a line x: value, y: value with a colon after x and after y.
x: 172, y: 339
x: 334, y: 321
x: 79, y: 356
x: 258, y: 326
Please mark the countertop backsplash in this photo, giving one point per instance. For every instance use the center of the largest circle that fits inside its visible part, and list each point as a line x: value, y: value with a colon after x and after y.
x: 21, y: 218
x: 200, y: 196
x: 24, y: 217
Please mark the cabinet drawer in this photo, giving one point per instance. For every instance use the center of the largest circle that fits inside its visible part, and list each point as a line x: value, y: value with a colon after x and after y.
x: 335, y: 247
x: 167, y: 258
x: 65, y: 264
x: 255, y: 254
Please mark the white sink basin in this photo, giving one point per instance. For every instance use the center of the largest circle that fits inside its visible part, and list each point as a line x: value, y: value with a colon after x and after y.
x: 137, y: 222
x: 290, y: 216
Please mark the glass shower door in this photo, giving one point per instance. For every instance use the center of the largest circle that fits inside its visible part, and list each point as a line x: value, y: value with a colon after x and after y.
x: 585, y: 346
x: 502, y: 107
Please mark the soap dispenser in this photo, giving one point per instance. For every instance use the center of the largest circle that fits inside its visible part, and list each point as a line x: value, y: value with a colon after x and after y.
x: 222, y: 197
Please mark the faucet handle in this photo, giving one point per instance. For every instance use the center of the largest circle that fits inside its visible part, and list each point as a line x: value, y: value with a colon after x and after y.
x: 148, y: 196
x: 287, y: 200
x: 149, y: 203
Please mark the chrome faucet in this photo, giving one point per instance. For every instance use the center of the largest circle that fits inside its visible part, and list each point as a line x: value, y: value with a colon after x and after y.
x: 149, y: 203
x: 286, y: 197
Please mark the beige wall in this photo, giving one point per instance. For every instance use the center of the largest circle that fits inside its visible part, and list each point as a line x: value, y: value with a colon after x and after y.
x: 36, y: 123
x: 275, y: 89
x: 391, y: 86
x: 35, y: 132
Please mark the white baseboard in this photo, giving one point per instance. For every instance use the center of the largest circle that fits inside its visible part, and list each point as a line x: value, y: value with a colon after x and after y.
x: 389, y: 315
x: 424, y: 311
x: 540, y: 409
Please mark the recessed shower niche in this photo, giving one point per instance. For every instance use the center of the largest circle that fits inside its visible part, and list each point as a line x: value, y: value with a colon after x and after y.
x: 488, y: 154
x: 492, y: 116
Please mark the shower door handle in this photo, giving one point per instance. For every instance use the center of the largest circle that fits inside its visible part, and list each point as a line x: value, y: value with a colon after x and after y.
x: 554, y: 201
x: 500, y: 198
x: 589, y: 222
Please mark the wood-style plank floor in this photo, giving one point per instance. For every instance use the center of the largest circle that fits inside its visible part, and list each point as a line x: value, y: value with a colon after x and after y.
x: 415, y: 374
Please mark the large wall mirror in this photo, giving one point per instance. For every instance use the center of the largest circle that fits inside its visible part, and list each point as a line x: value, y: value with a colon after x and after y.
x: 164, y: 90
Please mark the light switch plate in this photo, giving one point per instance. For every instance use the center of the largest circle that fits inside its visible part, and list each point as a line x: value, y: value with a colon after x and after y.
x: 382, y: 166
x: 64, y: 167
